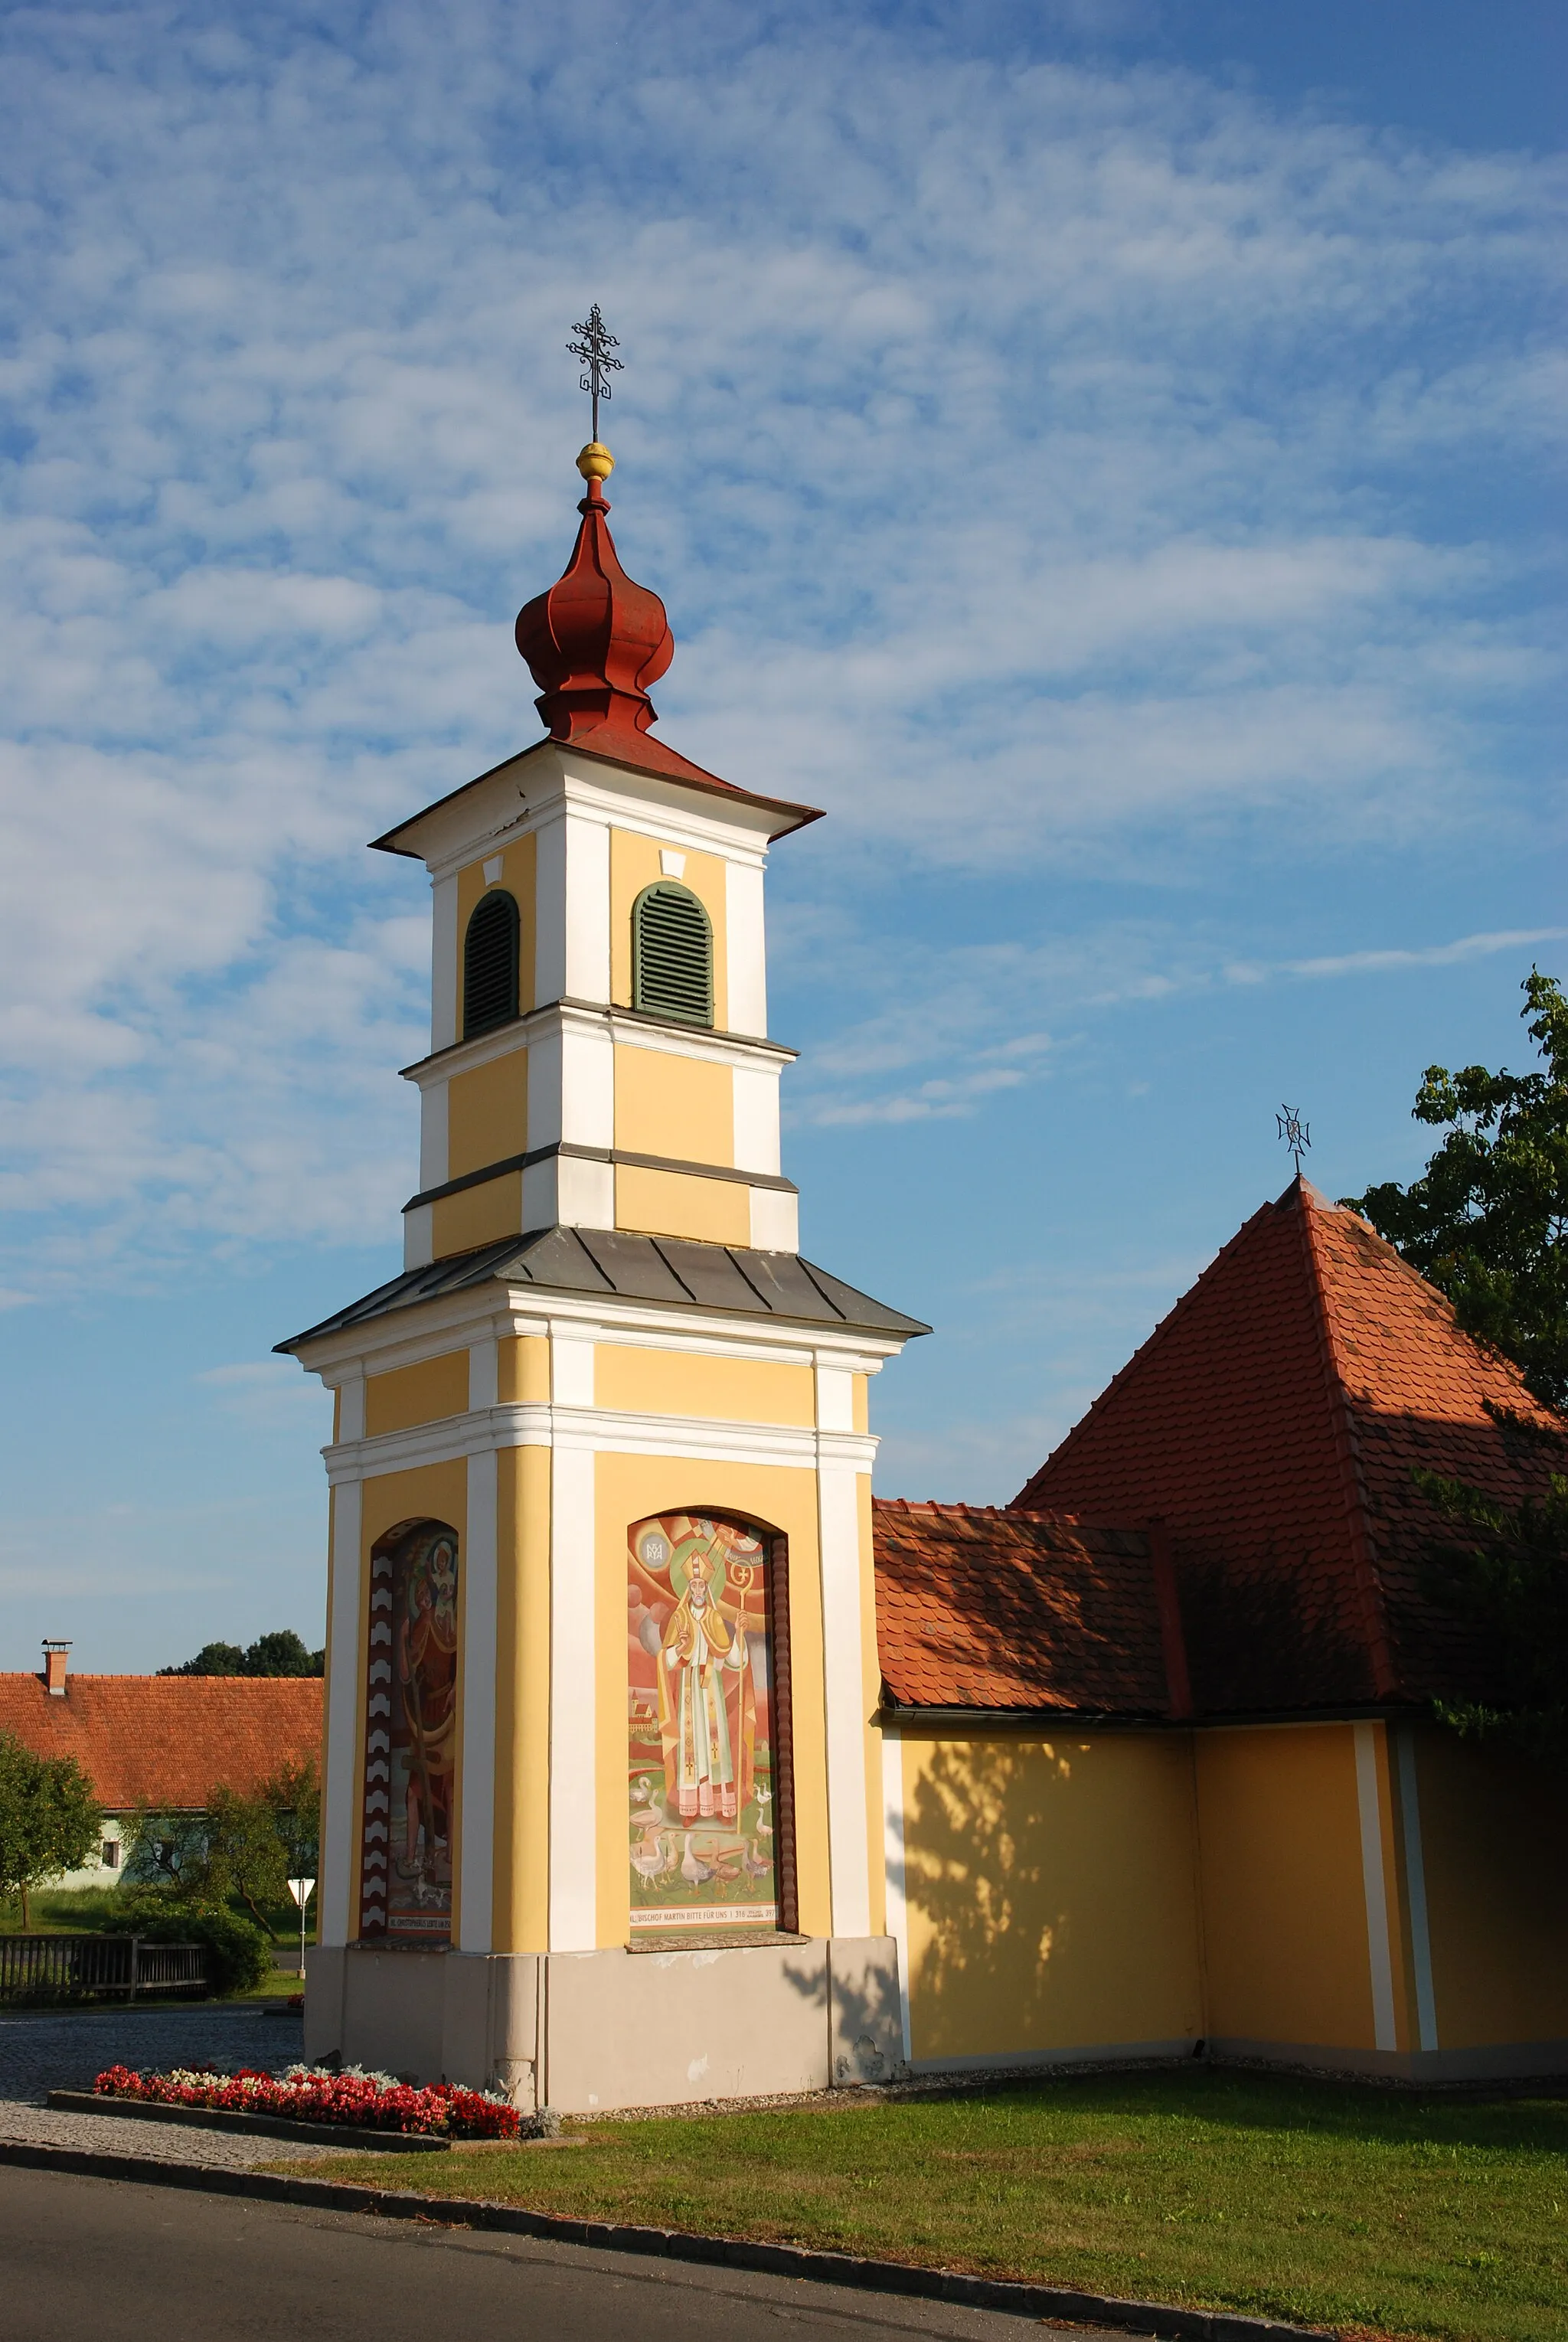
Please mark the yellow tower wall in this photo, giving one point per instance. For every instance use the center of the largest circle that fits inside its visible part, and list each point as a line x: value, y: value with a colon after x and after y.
x: 414, y: 1395
x: 671, y: 1204
x: 487, y: 1114
x: 680, y: 1108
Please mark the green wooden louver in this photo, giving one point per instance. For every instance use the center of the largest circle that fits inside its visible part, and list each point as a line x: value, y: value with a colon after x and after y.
x: 672, y: 955
x: 490, y: 964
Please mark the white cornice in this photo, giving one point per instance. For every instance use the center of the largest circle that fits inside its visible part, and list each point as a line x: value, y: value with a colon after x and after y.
x: 565, y: 1017
x: 538, y: 785
x: 598, y: 1431
x: 454, y: 1321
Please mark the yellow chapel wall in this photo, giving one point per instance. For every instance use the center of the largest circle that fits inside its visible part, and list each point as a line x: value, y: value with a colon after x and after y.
x: 1283, y: 1892
x: 631, y: 1489
x: 634, y: 864
x: 1492, y: 1826
x: 1050, y: 1894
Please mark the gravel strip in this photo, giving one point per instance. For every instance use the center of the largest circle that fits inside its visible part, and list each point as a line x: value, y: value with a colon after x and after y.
x: 68, y: 2051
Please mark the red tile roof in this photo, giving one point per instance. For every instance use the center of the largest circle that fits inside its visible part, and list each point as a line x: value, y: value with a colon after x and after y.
x: 167, y: 1740
x: 1270, y: 1422
x: 984, y: 1609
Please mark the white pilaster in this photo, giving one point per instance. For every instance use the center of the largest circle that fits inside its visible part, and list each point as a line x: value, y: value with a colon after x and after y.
x: 838, y: 1529
x: 1380, y: 1959
x: 587, y: 909
x: 574, y: 1887
x: 433, y: 1149
x: 550, y: 915
x: 745, y: 955
x: 574, y: 1899
x: 419, y: 1237
x: 340, y: 1790
x: 587, y: 1107
x: 756, y: 1101
x: 1415, y: 1892
x: 476, y: 1815
x: 775, y: 1220
x: 443, y: 944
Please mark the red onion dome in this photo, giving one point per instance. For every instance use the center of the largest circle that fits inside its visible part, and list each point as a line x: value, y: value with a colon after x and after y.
x: 595, y: 640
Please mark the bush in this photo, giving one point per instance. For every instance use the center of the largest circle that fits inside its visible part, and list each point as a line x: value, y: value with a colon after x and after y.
x: 239, y: 1954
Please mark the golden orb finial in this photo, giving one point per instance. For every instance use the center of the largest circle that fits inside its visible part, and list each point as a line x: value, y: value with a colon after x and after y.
x: 595, y: 462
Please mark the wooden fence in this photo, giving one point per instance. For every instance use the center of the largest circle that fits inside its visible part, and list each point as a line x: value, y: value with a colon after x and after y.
x: 99, y: 1965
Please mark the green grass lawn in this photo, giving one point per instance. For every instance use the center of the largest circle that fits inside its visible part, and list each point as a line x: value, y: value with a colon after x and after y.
x: 1334, y: 2205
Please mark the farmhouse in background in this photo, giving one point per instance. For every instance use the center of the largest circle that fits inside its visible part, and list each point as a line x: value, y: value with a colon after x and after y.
x: 165, y: 1742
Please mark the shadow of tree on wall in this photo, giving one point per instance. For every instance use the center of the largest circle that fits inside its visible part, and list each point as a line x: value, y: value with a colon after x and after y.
x: 866, y: 2015
x: 978, y: 1838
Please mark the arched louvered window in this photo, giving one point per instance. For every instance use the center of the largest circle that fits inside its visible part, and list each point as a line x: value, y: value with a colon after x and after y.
x: 490, y: 964
x: 672, y: 955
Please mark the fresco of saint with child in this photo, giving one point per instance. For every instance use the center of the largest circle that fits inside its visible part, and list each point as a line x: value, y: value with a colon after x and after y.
x: 700, y: 1786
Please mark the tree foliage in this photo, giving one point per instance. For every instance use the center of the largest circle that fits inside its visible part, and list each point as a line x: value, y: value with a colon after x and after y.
x: 1504, y: 1572
x: 1487, y: 1222
x: 50, y: 1821
x: 279, y: 1654
x: 239, y: 1851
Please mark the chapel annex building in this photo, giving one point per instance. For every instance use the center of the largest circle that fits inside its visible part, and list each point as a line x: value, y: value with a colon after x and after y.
x: 660, y: 1763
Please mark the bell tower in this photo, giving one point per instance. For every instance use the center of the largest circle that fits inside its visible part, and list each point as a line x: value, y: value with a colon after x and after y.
x: 601, y: 1667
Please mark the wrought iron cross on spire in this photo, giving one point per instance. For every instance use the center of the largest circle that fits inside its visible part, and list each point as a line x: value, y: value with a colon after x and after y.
x: 1296, y: 1134
x: 594, y: 350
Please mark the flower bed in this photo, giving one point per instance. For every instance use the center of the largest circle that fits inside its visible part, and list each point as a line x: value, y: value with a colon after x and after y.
x: 356, y: 2099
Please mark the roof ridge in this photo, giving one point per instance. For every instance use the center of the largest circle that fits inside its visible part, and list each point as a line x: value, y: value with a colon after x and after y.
x: 1372, y: 1599
x: 1159, y: 1332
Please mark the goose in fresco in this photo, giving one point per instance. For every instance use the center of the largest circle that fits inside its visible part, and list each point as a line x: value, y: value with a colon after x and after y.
x: 693, y: 1868
x: 654, y: 1856
x: 757, y: 1866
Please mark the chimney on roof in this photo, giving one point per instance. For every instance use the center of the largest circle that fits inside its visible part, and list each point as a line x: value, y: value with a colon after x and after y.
x: 54, y: 1669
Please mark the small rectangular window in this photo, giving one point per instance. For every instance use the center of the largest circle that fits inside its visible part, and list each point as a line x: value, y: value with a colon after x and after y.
x: 111, y: 1854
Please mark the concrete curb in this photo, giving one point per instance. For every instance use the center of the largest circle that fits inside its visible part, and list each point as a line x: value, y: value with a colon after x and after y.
x: 1019, y: 2299
x: 367, y: 2142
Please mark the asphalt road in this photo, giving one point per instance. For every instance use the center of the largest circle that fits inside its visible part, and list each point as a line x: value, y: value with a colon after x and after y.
x: 120, y: 2262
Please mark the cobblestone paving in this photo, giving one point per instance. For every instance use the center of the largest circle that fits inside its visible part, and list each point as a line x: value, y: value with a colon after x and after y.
x: 67, y: 2052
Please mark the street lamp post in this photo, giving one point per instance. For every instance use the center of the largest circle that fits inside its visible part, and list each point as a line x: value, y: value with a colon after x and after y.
x: 301, y: 1889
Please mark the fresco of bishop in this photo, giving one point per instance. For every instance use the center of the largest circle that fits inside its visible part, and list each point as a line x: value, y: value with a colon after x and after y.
x: 707, y: 1713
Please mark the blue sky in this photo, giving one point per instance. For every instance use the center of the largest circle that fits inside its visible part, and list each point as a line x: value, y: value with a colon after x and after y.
x: 1107, y: 453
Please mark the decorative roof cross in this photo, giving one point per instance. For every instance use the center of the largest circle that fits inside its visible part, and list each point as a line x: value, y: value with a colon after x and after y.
x: 1295, y: 1133
x: 594, y: 350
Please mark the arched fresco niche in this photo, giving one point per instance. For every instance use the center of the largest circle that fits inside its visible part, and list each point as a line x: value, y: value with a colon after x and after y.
x: 709, y: 1788
x: 411, y: 1737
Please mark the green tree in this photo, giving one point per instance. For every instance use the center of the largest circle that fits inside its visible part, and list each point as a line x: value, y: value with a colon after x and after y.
x: 231, y: 1853
x: 1503, y: 1572
x: 294, y: 1795
x: 50, y: 1821
x: 279, y: 1654
x: 1487, y: 1222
